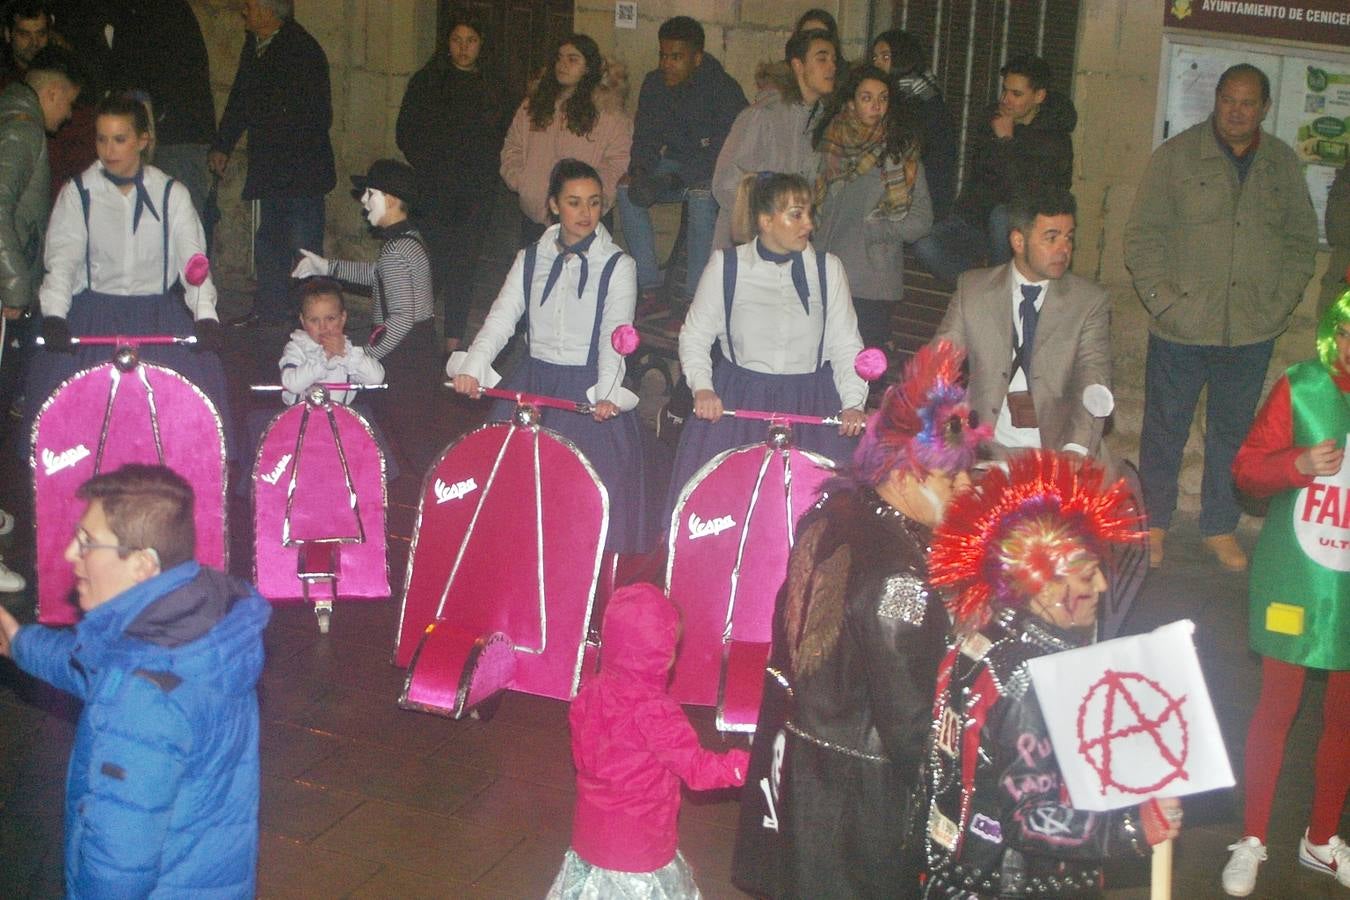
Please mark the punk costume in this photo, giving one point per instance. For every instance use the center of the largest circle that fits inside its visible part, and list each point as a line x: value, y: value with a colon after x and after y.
x: 999, y: 821
x: 835, y: 790
x: 1003, y: 829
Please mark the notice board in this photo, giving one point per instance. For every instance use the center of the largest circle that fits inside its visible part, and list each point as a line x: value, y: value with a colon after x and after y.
x: 1309, y: 89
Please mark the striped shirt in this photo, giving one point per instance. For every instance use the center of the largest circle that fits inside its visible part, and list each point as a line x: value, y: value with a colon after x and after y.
x: 400, y: 283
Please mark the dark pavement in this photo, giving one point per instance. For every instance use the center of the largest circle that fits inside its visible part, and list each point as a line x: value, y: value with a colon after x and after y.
x: 361, y: 799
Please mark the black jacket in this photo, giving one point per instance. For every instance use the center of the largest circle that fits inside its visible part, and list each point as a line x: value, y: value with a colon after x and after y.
x: 450, y: 128
x: 158, y: 48
x: 687, y: 123
x: 857, y: 639
x: 1009, y: 832
x: 282, y: 100
x: 1039, y: 152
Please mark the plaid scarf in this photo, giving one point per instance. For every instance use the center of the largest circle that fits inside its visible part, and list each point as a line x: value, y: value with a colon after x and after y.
x: 849, y: 149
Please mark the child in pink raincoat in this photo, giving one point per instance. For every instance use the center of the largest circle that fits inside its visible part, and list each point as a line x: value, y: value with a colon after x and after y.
x: 632, y: 746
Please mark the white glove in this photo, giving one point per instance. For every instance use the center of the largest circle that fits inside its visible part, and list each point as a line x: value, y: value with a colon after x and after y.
x: 310, y: 265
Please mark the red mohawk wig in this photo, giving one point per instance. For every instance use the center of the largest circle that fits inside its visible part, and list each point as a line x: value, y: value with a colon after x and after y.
x: 1018, y: 530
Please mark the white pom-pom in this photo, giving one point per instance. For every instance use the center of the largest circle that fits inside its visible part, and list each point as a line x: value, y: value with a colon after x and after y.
x: 1099, y: 400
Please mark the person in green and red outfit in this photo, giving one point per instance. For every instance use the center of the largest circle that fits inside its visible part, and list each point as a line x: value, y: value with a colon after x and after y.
x: 1300, y: 596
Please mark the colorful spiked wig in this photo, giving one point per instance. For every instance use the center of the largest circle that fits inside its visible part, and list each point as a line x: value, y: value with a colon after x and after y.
x: 1336, y: 315
x: 924, y: 423
x: 1020, y: 529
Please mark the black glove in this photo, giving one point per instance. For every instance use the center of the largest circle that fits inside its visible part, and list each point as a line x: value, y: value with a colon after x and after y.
x: 210, y: 335
x: 56, y: 334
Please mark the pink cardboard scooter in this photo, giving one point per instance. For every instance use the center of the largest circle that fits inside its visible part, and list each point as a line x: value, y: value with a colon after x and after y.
x: 123, y: 411
x: 319, y: 505
x: 505, y: 557
x: 730, y: 535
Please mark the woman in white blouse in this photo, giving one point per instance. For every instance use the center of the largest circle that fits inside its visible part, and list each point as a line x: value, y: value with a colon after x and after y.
x: 119, y: 243
x: 574, y: 287
x: 782, y: 317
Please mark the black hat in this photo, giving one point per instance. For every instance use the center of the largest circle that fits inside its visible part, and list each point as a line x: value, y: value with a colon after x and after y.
x: 390, y: 176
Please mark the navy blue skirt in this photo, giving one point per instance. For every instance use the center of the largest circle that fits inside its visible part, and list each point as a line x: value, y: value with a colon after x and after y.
x: 93, y: 313
x: 810, y: 394
x: 617, y: 449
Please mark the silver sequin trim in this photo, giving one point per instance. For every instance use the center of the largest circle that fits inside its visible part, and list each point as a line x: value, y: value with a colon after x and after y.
x: 831, y: 745
x: 903, y: 597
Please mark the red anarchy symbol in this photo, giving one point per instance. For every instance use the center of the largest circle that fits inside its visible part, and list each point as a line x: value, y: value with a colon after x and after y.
x: 1121, y: 693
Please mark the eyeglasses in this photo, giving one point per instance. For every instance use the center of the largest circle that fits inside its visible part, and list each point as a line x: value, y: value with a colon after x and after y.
x: 87, y: 546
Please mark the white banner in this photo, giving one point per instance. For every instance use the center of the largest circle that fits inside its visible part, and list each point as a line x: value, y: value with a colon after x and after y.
x: 1131, y: 719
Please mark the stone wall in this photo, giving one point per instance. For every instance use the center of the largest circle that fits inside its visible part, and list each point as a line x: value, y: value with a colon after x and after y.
x: 373, y: 47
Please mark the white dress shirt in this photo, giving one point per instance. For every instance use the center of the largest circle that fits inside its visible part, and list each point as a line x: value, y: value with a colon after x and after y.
x: 769, y: 329
x: 122, y: 262
x: 560, y: 329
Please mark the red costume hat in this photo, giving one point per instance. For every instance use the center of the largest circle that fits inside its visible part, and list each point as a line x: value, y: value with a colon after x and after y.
x: 1001, y: 543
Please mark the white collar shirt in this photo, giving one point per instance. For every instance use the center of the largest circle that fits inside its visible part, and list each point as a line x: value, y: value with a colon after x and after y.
x: 123, y: 262
x: 1005, y: 433
x: 770, y: 332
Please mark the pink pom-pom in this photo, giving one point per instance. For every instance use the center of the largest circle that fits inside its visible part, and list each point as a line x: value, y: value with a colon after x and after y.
x: 870, y: 364
x: 625, y: 339
x: 197, y: 270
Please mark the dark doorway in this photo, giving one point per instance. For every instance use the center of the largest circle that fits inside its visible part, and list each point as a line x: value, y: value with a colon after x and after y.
x: 969, y: 40
x: 520, y: 36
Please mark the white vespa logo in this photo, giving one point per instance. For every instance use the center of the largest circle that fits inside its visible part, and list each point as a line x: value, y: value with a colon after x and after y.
x: 55, y: 462
x: 447, y: 492
x: 711, y: 528
x: 274, y: 476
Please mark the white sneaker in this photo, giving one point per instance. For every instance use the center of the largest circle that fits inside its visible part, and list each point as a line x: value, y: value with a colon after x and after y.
x: 6, y: 522
x: 1331, y: 858
x: 1239, y: 876
x: 10, y: 581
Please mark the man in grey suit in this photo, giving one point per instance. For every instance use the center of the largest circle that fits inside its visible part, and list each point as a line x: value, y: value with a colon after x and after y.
x: 1037, y: 337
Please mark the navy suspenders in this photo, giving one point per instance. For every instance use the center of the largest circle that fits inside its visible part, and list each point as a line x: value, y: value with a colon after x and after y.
x: 89, y: 237
x: 602, y: 291
x: 729, y: 264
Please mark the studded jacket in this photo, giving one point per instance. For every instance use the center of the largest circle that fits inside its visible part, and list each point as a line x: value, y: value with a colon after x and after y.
x: 1000, y: 823
x: 858, y: 635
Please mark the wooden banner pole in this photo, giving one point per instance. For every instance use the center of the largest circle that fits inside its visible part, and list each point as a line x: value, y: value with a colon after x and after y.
x: 1160, y: 887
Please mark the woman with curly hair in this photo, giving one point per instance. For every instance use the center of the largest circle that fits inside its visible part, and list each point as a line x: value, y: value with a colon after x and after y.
x: 568, y: 115
x: 871, y: 194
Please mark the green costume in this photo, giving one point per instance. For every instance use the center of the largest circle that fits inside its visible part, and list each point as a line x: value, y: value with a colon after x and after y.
x: 1300, y: 585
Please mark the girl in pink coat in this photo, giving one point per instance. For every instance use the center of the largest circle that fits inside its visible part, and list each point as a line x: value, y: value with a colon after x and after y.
x: 632, y: 746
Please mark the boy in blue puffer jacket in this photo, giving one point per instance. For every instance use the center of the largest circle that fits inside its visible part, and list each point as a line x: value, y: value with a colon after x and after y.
x: 162, y: 789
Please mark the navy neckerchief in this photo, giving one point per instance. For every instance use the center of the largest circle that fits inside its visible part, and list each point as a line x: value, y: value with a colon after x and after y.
x: 798, y: 271
x: 564, y: 251
x: 142, y: 195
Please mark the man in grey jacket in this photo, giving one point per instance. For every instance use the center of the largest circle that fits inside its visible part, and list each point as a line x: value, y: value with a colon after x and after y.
x: 1220, y: 244
x: 774, y: 135
x: 30, y: 108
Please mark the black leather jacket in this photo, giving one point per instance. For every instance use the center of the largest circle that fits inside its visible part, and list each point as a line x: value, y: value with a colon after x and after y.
x: 857, y: 637
x: 1009, y: 831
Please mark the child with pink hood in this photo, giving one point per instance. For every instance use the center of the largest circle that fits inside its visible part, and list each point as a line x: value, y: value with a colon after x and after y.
x: 632, y: 746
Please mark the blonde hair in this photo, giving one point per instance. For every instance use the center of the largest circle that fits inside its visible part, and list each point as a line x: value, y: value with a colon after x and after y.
x: 764, y: 194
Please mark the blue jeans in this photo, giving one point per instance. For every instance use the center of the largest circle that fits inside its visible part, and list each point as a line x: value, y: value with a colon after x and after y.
x: 285, y: 224
x: 955, y: 246
x: 952, y: 247
x: 187, y: 163
x: 637, y: 230
x: 1173, y: 376
x: 1000, y: 251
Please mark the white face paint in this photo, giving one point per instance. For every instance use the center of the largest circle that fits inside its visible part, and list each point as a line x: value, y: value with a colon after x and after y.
x: 375, y: 204
x: 933, y: 500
